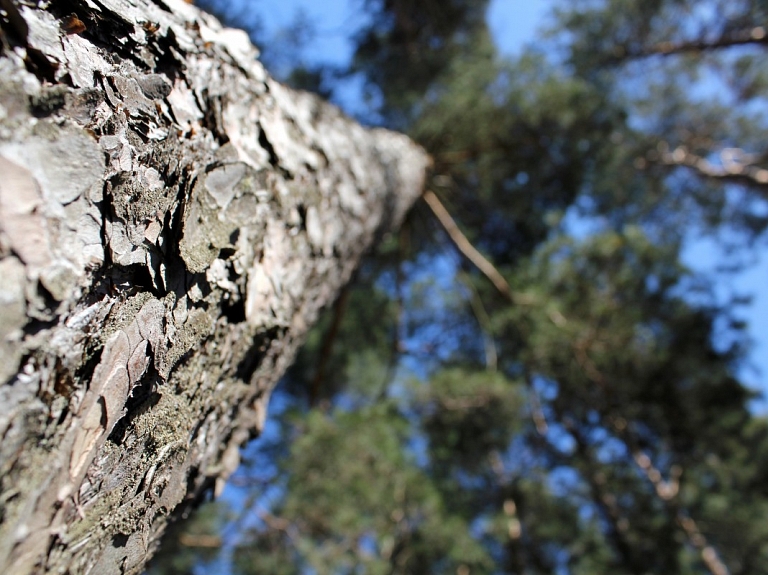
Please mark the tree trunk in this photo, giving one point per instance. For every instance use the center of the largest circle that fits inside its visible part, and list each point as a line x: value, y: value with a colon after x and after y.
x: 171, y: 221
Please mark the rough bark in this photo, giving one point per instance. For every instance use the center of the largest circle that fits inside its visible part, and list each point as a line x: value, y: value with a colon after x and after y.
x: 171, y: 221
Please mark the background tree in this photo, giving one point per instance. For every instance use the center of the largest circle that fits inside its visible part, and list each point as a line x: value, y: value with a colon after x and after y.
x: 546, y: 389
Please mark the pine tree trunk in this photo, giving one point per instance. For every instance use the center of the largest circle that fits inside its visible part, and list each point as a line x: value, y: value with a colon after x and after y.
x: 171, y: 221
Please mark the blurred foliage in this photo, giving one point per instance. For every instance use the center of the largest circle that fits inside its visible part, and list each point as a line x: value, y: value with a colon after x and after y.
x: 590, y: 420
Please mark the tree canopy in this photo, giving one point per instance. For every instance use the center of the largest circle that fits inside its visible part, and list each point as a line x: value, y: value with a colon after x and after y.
x: 526, y: 379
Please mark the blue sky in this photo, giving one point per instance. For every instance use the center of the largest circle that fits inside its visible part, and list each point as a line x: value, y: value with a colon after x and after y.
x: 514, y: 23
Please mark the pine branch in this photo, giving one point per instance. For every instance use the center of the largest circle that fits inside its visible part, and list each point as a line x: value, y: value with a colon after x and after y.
x: 737, y: 166
x: 667, y: 491
x: 756, y: 35
x: 708, y: 553
x: 605, y: 501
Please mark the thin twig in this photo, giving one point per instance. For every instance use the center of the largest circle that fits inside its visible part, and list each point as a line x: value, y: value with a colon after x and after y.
x: 464, y: 245
x: 537, y: 413
x: 491, y: 356
x: 205, y: 541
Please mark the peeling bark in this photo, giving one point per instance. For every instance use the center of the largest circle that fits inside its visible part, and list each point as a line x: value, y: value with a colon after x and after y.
x: 171, y: 221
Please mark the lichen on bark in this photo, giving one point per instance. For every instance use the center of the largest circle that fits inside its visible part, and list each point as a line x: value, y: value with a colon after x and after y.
x: 171, y: 221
